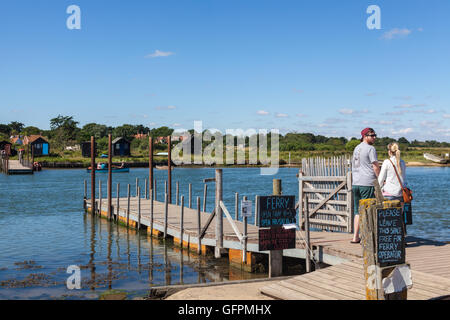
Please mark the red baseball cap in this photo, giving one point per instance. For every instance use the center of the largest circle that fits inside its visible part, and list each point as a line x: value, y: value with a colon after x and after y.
x: 366, y: 131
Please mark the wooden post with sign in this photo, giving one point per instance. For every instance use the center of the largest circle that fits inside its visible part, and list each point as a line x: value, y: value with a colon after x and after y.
x: 276, y: 256
x: 386, y: 273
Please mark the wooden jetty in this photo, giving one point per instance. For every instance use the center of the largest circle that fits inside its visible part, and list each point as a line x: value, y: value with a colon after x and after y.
x: 330, y: 209
x: 15, y: 167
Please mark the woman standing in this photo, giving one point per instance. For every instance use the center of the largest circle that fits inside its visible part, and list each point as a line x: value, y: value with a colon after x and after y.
x: 389, y: 182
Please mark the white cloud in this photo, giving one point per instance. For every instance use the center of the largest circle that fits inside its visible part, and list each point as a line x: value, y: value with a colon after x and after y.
x: 281, y: 115
x: 446, y: 116
x: 166, y: 108
x: 402, y: 131
x: 346, y: 111
x: 396, y: 33
x: 262, y: 112
x: 159, y: 53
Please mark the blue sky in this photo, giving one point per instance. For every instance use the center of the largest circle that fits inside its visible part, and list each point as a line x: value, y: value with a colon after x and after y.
x: 304, y: 66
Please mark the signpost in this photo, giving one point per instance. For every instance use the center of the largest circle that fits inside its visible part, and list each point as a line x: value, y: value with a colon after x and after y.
x: 390, y: 237
x: 273, y: 212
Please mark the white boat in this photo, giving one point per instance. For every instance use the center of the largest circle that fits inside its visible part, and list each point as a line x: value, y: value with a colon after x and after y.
x: 434, y: 158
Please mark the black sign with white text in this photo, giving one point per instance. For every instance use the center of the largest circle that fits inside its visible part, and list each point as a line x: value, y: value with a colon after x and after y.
x: 390, y: 237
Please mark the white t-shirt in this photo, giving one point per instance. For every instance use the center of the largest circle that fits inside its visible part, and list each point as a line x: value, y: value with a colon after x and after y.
x: 362, y: 170
x: 392, y: 186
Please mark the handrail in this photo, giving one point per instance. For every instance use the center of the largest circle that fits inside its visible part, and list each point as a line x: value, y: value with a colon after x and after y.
x: 230, y: 219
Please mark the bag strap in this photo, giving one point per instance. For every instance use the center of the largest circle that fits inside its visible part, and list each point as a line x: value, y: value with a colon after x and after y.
x: 395, y: 169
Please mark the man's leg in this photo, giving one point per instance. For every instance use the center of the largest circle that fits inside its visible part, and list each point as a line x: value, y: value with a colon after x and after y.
x: 356, y: 197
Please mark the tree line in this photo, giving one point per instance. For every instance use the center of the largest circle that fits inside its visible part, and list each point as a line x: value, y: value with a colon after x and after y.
x: 64, y: 131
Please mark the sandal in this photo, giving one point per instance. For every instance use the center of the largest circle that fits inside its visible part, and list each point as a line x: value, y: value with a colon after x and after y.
x: 355, y: 241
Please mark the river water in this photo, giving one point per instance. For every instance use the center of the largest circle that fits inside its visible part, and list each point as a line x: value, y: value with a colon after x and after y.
x: 43, y: 231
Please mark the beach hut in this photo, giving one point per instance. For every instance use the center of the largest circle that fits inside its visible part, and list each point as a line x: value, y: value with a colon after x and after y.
x: 120, y: 147
x: 86, y: 149
x: 5, y: 145
x: 38, y: 144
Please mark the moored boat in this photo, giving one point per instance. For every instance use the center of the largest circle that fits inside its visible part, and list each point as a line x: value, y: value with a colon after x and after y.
x: 115, y: 170
x: 434, y: 158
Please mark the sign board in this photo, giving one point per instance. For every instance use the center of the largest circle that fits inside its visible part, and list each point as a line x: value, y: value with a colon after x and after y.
x: 276, y: 238
x: 246, y: 208
x: 276, y: 210
x: 390, y: 237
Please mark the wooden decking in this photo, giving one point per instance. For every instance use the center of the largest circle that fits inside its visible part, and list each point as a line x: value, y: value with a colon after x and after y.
x: 429, y: 260
x: 15, y: 167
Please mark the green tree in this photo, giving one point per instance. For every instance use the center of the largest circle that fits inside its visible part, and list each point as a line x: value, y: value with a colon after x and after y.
x: 64, y: 129
x: 31, y: 130
x: 16, y: 127
x: 351, y: 145
x: 5, y: 129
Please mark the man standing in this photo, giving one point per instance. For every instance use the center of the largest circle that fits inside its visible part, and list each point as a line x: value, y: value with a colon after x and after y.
x: 365, y: 169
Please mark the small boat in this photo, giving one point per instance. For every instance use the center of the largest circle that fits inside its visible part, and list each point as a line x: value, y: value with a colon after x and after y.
x: 114, y: 170
x: 163, y: 167
x: 434, y: 158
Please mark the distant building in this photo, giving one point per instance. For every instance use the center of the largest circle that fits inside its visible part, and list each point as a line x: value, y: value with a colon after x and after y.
x: 162, y: 140
x: 140, y: 136
x: 5, y: 145
x: 16, y: 140
x: 121, y: 147
x: 38, y: 144
x: 86, y: 149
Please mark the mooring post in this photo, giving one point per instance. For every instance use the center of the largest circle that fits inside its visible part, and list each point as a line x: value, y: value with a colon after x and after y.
x: 93, y: 175
x: 145, y: 191
x: 275, y: 256
x: 166, y: 212
x: 128, y: 204
x: 169, y: 166
x: 300, y: 199
x: 181, y: 221
x: 139, y: 208
x: 177, y: 192
x: 199, y: 226
x: 99, y: 198
x: 190, y: 195
x: 151, y: 211
x: 307, y: 237
x: 137, y: 185
x: 256, y: 210
x: 236, y: 206
x: 205, y: 191
x: 150, y: 162
x: 154, y: 190
x: 219, y: 217
x: 109, y: 176
x: 118, y: 199
x: 244, y: 251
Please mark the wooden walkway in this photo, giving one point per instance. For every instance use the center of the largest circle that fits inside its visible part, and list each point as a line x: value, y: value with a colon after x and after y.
x: 429, y: 260
x: 15, y: 167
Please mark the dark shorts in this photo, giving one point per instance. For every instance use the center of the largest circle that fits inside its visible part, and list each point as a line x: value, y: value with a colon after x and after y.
x: 360, y: 193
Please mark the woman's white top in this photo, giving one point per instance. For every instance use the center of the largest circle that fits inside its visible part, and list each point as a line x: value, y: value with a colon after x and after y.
x: 389, y: 178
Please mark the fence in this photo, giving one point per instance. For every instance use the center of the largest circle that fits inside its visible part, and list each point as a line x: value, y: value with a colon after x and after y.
x: 328, y: 185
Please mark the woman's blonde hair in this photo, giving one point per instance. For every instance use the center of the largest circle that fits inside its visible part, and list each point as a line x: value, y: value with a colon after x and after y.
x: 395, y: 151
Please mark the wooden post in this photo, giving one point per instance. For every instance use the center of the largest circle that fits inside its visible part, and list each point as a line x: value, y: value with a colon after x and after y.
x: 128, y: 204
x: 146, y: 189
x: 150, y: 162
x: 199, y: 226
x: 374, y: 271
x: 181, y: 221
x: 92, y: 175
x: 177, y: 193
x: 244, y: 251
x: 154, y: 190
x: 219, y: 218
x: 166, y: 212
x: 169, y: 167
x: 99, y: 198
x: 139, y: 208
x: 118, y: 199
x: 300, y: 199
x: 236, y: 206
x: 275, y: 256
x: 307, y: 238
x: 350, y: 208
x: 256, y: 211
x: 137, y: 185
x: 205, y: 191
x: 109, y: 176
x: 190, y: 195
x: 151, y: 211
